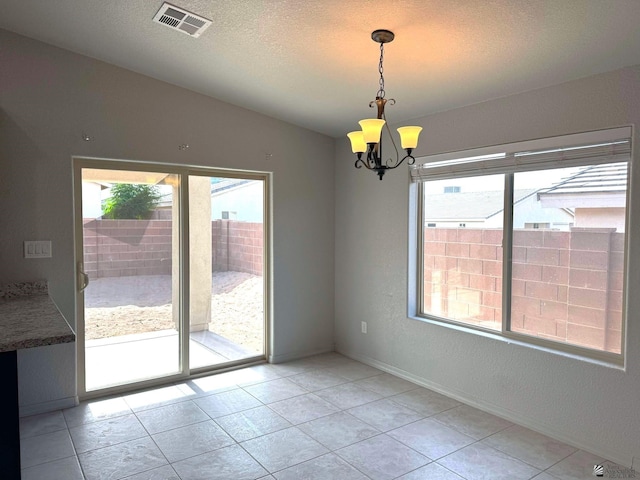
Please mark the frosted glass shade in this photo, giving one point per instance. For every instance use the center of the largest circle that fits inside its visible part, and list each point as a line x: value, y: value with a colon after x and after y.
x: 372, y: 128
x: 358, y: 145
x: 409, y: 136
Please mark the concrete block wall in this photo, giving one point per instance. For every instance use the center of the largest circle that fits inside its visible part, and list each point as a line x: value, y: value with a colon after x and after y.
x: 463, y: 274
x: 220, y: 245
x: 119, y: 248
x: 566, y: 286
x: 237, y: 246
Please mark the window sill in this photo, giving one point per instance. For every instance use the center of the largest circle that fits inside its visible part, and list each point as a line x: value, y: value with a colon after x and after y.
x: 614, y: 361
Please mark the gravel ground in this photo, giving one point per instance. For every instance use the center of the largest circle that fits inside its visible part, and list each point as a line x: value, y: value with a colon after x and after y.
x: 128, y: 305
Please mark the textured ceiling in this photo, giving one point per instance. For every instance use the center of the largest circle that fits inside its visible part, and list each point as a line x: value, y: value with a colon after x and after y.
x: 314, y: 64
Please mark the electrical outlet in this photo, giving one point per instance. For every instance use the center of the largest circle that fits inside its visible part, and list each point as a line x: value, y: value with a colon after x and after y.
x: 363, y: 327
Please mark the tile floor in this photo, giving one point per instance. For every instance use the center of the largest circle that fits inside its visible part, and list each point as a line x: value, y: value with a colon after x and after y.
x: 325, y: 417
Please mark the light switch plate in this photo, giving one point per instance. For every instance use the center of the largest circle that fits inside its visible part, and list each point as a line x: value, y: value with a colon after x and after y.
x: 37, y: 249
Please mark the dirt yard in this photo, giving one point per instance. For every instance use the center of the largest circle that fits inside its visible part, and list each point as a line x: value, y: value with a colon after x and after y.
x: 128, y: 305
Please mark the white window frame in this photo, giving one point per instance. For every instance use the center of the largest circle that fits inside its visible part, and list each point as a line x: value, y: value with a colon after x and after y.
x: 508, y: 159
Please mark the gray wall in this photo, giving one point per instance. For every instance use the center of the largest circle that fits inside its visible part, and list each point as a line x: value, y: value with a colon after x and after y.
x: 49, y: 97
x: 589, y: 405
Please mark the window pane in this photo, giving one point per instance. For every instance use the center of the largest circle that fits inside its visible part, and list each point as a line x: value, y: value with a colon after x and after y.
x: 462, y: 260
x: 226, y: 226
x: 568, y: 255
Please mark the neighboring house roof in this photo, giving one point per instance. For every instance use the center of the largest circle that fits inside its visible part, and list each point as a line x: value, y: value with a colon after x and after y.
x: 596, y: 186
x: 470, y: 205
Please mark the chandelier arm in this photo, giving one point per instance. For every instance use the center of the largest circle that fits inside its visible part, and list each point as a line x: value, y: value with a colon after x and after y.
x: 380, y: 170
x: 373, y: 156
x: 393, y: 142
x: 362, y: 163
x: 407, y: 156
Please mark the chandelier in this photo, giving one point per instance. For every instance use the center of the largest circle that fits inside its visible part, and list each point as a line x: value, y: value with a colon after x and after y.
x: 368, y: 139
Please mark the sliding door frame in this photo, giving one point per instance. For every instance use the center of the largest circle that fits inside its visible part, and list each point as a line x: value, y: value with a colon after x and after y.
x: 183, y: 172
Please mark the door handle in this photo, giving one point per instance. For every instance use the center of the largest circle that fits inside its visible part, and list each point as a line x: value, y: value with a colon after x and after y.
x: 83, y: 278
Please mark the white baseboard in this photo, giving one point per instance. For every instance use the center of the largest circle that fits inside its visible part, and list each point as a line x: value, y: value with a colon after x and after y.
x: 514, y: 417
x: 288, y: 357
x: 46, y: 407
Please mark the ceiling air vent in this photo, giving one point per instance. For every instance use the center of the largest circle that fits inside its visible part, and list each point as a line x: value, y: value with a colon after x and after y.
x: 179, y: 19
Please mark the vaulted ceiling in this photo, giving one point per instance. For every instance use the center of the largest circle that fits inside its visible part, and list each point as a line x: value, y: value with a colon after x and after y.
x: 314, y: 63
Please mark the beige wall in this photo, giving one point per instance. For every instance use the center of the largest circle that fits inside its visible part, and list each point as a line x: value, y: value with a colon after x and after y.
x: 613, y: 217
x: 589, y: 405
x: 49, y: 97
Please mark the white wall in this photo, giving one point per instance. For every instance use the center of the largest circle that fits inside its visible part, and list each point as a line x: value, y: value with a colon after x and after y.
x: 601, y: 217
x: 245, y: 200
x: 589, y: 405
x: 49, y: 97
x: 91, y: 200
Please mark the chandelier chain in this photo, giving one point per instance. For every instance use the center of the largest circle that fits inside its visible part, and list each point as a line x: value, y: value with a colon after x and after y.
x: 381, y: 92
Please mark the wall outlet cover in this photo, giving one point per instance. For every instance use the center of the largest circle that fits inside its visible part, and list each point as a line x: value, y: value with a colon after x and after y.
x: 37, y: 249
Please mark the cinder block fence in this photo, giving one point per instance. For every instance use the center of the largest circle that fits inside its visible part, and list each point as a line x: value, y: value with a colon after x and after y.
x: 566, y: 285
x: 119, y: 248
x: 237, y: 246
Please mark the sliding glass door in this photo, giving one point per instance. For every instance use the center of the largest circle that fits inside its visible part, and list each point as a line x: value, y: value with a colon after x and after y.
x: 171, y: 265
x: 226, y: 232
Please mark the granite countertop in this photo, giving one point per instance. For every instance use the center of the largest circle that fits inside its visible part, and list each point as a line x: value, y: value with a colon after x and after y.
x: 29, y: 318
